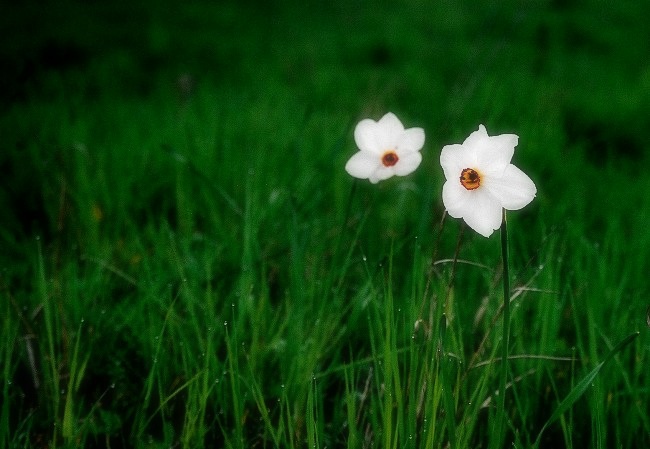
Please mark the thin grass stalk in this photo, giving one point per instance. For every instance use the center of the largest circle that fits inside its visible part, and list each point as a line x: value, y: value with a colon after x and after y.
x: 447, y: 390
x: 501, y: 404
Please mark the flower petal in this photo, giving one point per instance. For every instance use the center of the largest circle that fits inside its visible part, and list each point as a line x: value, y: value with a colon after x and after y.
x: 388, y: 131
x: 455, y: 198
x: 477, y: 138
x: 478, y: 208
x: 495, y: 154
x: 381, y: 173
x: 454, y: 158
x: 362, y: 164
x: 365, y: 136
x: 407, y: 163
x: 514, y: 189
x: 411, y: 140
x: 483, y: 213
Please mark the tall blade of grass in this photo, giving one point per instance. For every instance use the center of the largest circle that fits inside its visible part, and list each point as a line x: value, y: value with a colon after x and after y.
x: 235, y: 387
x: 76, y: 374
x: 142, y: 420
x: 351, y: 409
x: 312, y: 416
x: 501, y: 405
x: 583, y: 385
x: 49, y: 315
x: 447, y: 391
x: 9, y: 338
x: 258, y: 396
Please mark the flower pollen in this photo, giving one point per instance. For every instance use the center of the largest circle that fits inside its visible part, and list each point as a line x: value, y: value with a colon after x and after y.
x: 470, y: 179
x: 389, y: 158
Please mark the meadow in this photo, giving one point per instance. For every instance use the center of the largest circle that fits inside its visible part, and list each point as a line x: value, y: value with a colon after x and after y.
x: 185, y: 263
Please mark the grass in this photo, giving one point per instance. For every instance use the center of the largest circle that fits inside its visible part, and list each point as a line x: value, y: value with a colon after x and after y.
x: 185, y: 263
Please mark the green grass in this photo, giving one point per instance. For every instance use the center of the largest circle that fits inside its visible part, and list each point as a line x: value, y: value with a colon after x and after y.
x: 185, y: 263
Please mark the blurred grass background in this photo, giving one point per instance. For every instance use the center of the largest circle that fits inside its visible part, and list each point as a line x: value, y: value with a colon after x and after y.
x: 180, y: 249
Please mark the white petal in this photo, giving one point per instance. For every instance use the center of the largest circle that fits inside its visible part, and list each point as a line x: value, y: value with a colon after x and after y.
x: 362, y: 164
x: 483, y: 213
x: 407, y: 163
x: 477, y: 138
x: 411, y: 140
x: 514, y: 189
x: 495, y: 154
x: 455, y: 197
x: 381, y: 173
x: 388, y: 131
x: 454, y: 159
x: 365, y: 136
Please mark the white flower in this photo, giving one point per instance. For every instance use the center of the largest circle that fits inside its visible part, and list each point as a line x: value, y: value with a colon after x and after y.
x: 481, y: 181
x: 385, y: 149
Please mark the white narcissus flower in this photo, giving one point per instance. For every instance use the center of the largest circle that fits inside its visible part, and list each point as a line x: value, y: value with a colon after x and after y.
x: 481, y: 181
x: 385, y: 149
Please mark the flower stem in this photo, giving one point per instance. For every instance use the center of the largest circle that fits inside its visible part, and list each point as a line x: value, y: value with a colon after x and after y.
x: 501, y: 405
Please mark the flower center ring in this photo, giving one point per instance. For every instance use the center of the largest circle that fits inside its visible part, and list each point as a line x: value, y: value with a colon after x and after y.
x: 389, y: 158
x: 470, y: 179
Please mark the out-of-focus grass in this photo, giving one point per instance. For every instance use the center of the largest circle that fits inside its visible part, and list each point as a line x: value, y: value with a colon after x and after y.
x: 183, y: 262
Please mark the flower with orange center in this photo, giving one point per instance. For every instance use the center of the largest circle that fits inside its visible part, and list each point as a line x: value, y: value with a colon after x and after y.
x: 385, y: 149
x: 481, y: 181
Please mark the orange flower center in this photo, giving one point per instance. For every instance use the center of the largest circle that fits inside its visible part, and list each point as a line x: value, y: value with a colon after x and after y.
x: 470, y: 179
x: 389, y: 158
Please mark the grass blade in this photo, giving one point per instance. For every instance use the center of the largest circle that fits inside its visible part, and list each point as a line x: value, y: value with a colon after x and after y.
x: 580, y: 389
x: 447, y: 390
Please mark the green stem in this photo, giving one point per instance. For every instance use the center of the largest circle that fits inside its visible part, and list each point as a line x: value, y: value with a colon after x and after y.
x: 501, y: 406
